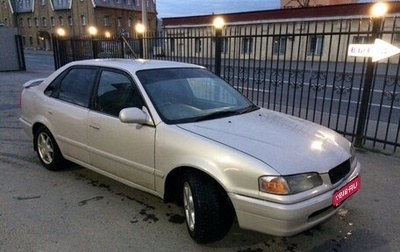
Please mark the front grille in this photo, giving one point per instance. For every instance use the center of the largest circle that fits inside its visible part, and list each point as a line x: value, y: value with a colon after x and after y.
x: 339, y: 171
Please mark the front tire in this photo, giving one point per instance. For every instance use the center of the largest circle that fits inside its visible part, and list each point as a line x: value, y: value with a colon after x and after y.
x: 47, y: 149
x: 208, y: 210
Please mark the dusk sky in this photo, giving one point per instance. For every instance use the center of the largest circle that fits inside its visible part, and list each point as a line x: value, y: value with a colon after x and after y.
x: 181, y: 8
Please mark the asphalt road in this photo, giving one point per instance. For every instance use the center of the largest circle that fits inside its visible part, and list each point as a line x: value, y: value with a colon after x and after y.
x: 79, y: 210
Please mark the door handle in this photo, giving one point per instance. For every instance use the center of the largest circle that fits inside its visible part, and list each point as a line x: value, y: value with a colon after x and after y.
x: 95, y: 127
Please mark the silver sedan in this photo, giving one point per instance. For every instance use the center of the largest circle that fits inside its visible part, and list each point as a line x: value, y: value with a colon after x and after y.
x: 181, y: 133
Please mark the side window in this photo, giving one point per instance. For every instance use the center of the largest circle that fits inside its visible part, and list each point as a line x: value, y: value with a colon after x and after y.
x: 76, y: 86
x: 116, y: 92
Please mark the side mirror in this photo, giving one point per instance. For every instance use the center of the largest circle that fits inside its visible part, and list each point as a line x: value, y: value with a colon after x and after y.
x: 134, y: 115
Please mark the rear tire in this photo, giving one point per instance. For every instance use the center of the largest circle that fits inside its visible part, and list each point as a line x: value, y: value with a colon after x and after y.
x: 208, y: 210
x: 47, y: 149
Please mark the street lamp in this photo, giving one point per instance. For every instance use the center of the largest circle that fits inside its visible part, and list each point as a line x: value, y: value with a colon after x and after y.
x: 59, y: 48
x: 61, y: 32
x: 93, y: 32
x: 218, y: 24
x: 140, y: 29
x: 107, y: 34
x: 378, y: 12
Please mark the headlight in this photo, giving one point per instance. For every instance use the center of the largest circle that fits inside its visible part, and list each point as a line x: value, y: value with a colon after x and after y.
x: 353, y: 154
x: 291, y: 184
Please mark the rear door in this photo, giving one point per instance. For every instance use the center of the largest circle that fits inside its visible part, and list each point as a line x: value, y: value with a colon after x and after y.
x: 67, y: 109
x: 120, y: 149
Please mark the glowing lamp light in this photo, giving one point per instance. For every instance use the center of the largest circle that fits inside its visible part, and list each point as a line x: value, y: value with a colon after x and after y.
x: 140, y: 28
x: 61, y: 32
x: 92, y: 30
x: 219, y: 23
x: 379, y: 10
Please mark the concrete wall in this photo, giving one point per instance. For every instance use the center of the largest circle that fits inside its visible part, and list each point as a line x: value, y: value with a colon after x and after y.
x: 9, y: 58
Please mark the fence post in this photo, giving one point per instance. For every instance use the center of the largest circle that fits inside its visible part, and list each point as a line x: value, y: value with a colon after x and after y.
x: 218, y: 51
x: 369, y: 77
x: 56, y: 53
x: 141, y: 46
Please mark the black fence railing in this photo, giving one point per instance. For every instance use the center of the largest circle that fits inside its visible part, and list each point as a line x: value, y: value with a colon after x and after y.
x: 299, y: 68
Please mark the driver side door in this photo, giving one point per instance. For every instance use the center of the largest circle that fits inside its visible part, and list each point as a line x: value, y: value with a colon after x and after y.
x: 120, y: 149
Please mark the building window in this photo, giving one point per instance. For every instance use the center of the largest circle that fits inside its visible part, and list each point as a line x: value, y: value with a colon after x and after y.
x: 130, y: 22
x: 36, y: 22
x: 279, y: 45
x: 70, y: 21
x: 30, y: 40
x: 83, y: 20
x: 61, y: 19
x: 315, y: 45
x: 119, y: 22
x: 5, y: 5
x: 44, y: 21
x: 362, y: 40
x: 42, y: 2
x: 29, y: 22
x: 247, y: 45
x: 52, y: 21
x: 106, y: 21
x: 21, y: 22
x: 23, y: 40
x: 197, y: 45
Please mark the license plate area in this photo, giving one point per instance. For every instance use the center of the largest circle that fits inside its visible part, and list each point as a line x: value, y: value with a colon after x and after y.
x: 346, y: 191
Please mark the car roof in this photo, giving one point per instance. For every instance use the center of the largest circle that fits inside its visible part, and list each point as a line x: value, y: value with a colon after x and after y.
x: 133, y: 64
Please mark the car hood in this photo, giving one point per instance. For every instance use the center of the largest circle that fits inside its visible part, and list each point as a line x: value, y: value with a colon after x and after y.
x: 287, y: 144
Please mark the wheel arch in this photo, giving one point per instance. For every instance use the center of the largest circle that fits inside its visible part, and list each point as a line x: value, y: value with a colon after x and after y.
x: 35, y: 128
x: 174, y: 181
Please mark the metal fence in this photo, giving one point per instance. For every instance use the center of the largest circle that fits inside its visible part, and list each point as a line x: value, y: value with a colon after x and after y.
x: 300, y: 68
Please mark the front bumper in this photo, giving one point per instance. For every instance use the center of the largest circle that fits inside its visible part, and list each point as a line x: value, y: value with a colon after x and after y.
x: 286, y: 219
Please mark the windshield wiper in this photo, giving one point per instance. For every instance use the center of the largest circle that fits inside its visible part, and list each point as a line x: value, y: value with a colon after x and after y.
x: 249, y: 109
x: 225, y: 113
x: 218, y: 114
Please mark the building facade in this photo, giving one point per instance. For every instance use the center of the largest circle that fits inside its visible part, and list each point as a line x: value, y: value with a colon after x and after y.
x: 298, y: 33
x: 39, y: 20
x: 286, y: 4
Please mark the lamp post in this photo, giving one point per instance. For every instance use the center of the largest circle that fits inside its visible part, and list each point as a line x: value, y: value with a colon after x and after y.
x: 218, y: 25
x: 378, y: 12
x: 93, y: 32
x: 58, y: 48
x: 140, y: 29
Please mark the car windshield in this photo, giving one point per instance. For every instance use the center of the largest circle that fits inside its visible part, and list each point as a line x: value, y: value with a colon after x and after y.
x: 182, y: 95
